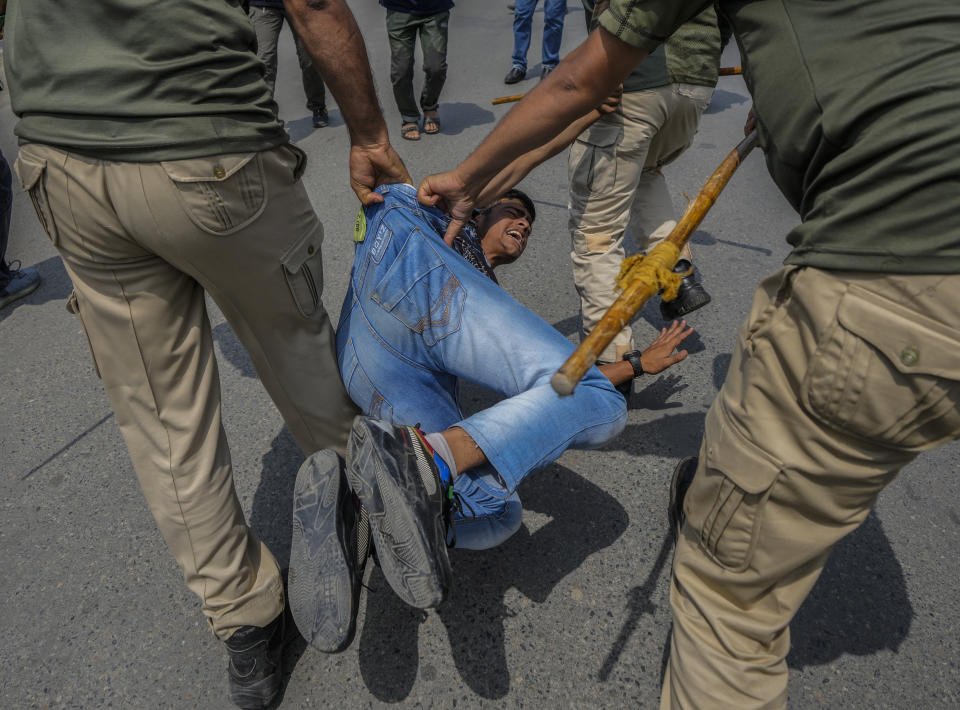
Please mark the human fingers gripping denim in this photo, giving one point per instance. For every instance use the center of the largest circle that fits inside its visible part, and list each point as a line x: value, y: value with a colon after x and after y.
x: 431, y: 310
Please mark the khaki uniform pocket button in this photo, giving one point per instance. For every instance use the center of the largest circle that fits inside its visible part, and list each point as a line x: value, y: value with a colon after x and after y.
x: 219, y: 173
x: 909, y: 356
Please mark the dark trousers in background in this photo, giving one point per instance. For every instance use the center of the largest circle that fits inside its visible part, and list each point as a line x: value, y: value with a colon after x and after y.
x: 267, y: 23
x: 402, y: 30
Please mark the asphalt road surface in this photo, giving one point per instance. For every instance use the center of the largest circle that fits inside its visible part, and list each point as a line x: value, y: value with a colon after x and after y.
x: 573, y: 610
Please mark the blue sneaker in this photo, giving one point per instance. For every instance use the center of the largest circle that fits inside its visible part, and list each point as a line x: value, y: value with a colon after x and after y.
x: 22, y: 283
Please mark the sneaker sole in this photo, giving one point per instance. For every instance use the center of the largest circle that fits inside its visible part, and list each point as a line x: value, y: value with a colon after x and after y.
x: 405, y: 524
x: 322, y: 585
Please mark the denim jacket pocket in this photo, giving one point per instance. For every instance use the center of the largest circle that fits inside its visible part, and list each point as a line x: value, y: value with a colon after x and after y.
x: 221, y: 194
x: 726, y: 503
x: 31, y: 171
x: 303, y: 271
x: 420, y: 291
x: 887, y: 373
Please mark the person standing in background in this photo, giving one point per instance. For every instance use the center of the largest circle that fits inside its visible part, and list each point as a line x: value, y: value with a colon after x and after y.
x: 616, y: 182
x: 268, y: 17
x: 14, y: 283
x: 405, y: 20
x: 554, y: 12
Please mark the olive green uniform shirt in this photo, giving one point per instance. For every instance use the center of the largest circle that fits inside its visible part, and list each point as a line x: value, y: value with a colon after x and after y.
x: 138, y: 80
x: 691, y: 55
x: 858, y: 111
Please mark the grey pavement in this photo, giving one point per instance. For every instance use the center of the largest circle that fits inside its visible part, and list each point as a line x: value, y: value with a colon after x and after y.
x: 572, y: 611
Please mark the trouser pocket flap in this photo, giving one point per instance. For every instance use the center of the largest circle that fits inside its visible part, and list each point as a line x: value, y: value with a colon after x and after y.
x: 31, y: 169
x: 911, y: 341
x: 303, y: 270
x: 726, y: 502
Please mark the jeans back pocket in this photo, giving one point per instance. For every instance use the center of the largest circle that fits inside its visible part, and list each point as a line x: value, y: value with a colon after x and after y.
x: 421, y: 291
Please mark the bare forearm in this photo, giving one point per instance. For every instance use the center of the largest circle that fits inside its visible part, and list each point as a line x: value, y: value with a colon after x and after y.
x: 330, y: 33
x: 580, y: 82
x: 617, y: 372
x: 521, y: 167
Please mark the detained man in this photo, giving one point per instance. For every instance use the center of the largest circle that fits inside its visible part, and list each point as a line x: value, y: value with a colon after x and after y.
x: 417, y: 317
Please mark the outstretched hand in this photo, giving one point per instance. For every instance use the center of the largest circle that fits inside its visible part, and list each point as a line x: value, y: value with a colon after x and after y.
x: 659, y: 355
x: 448, y: 192
x: 373, y: 165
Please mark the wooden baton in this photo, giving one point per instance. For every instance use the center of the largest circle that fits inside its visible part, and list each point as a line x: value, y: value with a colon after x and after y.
x: 506, y: 99
x: 724, y: 71
x: 644, y: 278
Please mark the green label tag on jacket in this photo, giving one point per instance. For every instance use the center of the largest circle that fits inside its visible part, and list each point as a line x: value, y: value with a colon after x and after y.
x: 360, y: 226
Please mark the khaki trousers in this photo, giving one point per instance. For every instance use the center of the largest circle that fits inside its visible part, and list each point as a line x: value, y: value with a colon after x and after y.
x: 616, y: 186
x: 837, y: 382
x: 142, y: 242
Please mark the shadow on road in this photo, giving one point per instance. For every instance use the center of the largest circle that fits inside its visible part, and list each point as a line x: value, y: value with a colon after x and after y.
x: 532, y: 562
x: 666, y: 435
x: 272, y: 510
x: 458, y: 115
x: 232, y: 349
x: 858, y: 606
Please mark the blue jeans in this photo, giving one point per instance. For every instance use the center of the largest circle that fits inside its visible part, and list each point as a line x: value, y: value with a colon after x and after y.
x: 554, y: 12
x: 416, y: 317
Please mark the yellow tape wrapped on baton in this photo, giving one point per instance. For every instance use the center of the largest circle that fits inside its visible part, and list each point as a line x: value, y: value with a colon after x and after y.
x: 642, y: 277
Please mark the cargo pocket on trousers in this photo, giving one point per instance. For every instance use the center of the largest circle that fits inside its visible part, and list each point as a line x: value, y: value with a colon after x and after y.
x: 593, y: 158
x: 421, y: 291
x: 726, y: 502
x: 220, y: 195
x: 887, y: 373
x: 73, y: 306
x: 31, y: 171
x: 303, y: 271
x: 361, y: 389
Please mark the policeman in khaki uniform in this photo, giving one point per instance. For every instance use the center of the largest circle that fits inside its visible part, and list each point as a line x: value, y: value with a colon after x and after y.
x: 160, y: 171
x: 616, y: 182
x: 847, y: 365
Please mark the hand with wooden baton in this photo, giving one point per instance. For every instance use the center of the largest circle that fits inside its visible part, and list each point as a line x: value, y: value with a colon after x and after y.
x: 642, y: 277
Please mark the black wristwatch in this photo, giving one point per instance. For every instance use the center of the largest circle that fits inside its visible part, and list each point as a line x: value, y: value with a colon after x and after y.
x: 633, y: 357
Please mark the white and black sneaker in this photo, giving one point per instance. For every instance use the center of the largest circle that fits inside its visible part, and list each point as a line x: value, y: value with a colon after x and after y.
x: 328, y: 553
x: 392, y: 470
